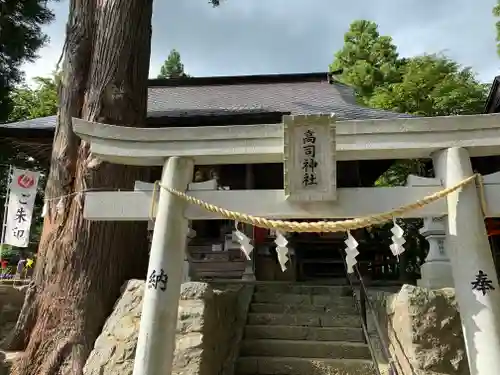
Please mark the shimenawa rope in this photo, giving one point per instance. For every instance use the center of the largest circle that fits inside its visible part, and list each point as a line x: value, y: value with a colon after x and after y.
x: 319, y: 226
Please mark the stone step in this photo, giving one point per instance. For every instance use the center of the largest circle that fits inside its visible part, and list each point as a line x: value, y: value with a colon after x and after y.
x: 304, y: 349
x: 302, y: 299
x: 347, y: 308
x: 295, y: 288
x: 304, y: 333
x: 332, y: 319
x: 303, y: 366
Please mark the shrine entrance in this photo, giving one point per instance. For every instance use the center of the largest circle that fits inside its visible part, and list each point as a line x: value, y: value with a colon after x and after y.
x: 313, y: 258
x: 454, y: 205
x: 320, y: 257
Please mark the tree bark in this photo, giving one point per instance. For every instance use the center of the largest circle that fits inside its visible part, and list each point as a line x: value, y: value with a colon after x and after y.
x: 82, y: 265
x: 78, y: 51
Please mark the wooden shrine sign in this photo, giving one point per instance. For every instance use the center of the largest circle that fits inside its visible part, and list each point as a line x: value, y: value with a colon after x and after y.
x: 310, y: 166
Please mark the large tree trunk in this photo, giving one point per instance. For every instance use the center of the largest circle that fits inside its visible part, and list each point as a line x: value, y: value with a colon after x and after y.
x: 78, y: 51
x: 82, y: 265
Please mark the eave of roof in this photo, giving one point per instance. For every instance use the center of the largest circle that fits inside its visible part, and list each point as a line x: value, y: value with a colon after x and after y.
x: 234, y: 100
x: 493, y: 96
x: 240, y: 80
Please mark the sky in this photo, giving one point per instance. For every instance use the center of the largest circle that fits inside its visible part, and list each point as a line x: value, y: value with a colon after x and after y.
x: 244, y: 37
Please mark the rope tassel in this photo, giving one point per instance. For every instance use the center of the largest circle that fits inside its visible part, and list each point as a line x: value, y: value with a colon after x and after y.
x: 398, y: 240
x: 245, y: 245
x: 282, y: 250
x: 351, y: 252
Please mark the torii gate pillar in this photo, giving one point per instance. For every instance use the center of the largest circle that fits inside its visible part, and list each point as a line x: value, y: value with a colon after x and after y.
x: 473, y: 267
x: 156, y: 342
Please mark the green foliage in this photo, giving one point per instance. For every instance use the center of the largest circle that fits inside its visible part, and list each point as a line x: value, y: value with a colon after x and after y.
x: 399, y: 171
x: 429, y: 85
x: 9, y: 252
x: 30, y: 103
x: 367, y: 59
x: 432, y: 85
x: 173, y: 66
x: 496, y: 13
x: 21, y: 37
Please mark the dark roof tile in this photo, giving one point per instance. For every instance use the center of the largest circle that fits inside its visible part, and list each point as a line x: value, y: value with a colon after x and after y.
x: 307, y: 94
x: 42, y: 123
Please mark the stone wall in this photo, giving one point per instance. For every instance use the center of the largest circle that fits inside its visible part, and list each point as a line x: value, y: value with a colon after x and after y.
x: 11, y: 302
x: 210, y: 327
x: 423, y: 329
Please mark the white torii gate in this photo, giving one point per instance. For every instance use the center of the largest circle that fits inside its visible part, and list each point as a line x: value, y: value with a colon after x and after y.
x: 449, y: 141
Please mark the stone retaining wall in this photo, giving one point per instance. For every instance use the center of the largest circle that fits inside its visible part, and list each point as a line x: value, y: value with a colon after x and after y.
x: 11, y: 302
x: 423, y: 329
x: 210, y: 328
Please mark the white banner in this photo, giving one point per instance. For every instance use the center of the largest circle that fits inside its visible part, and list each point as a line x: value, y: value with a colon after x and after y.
x: 23, y: 188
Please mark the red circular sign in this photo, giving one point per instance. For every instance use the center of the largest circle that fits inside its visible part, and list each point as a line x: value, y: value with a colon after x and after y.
x: 25, y: 181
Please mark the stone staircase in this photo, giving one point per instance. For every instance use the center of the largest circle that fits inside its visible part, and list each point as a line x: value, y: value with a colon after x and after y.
x: 302, y: 329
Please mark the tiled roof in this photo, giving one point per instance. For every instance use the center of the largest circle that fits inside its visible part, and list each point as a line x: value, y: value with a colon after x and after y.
x: 296, y: 98
x: 295, y: 94
x: 42, y: 123
x: 493, y: 101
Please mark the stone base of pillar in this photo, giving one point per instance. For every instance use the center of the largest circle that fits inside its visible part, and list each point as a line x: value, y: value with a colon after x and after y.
x: 436, y: 275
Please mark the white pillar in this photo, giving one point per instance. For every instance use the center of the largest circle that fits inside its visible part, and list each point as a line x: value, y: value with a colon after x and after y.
x: 436, y: 271
x: 470, y: 256
x: 156, y: 342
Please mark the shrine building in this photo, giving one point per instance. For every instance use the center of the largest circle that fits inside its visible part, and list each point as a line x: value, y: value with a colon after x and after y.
x: 251, y: 100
